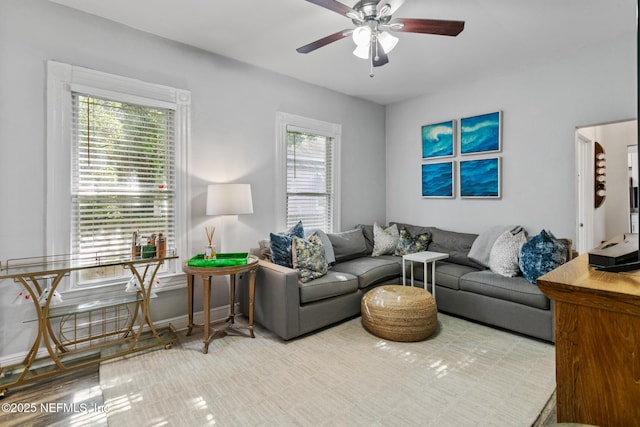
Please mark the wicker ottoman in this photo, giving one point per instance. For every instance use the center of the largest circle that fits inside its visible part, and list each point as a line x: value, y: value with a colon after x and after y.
x: 399, y: 313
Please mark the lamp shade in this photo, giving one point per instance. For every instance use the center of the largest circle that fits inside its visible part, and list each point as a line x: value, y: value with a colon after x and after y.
x: 229, y: 199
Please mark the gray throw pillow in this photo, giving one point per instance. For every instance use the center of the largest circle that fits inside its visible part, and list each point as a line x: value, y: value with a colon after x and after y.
x: 505, y: 253
x: 348, y: 244
x: 385, y: 240
x: 481, y: 247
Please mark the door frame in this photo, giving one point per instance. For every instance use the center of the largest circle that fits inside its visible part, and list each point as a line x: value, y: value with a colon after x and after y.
x: 584, y: 190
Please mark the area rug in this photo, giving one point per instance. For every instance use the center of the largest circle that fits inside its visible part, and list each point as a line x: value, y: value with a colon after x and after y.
x: 465, y: 375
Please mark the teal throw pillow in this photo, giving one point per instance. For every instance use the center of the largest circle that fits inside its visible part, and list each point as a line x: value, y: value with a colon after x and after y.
x: 542, y: 254
x: 408, y: 243
x: 309, y: 257
x: 281, y: 245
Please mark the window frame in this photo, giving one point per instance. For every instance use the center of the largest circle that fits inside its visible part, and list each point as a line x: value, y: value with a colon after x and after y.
x: 289, y: 122
x: 62, y: 81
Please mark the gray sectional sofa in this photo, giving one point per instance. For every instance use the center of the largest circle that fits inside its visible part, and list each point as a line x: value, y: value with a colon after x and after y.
x: 465, y: 288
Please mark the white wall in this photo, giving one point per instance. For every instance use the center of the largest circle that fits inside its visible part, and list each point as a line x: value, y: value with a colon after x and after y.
x: 233, y: 133
x: 542, y: 107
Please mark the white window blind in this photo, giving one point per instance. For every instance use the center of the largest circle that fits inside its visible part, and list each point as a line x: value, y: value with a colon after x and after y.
x: 310, y: 195
x: 123, y: 174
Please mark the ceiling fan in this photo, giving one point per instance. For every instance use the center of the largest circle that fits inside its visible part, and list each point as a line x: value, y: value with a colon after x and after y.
x: 373, y: 20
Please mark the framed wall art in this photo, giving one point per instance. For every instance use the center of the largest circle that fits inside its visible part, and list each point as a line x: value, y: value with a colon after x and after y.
x: 480, y: 178
x: 481, y: 134
x: 438, y: 140
x: 438, y: 179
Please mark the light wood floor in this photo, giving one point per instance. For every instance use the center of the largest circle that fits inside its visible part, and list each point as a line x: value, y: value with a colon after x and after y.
x: 83, y: 387
x: 66, y: 400
x: 71, y: 400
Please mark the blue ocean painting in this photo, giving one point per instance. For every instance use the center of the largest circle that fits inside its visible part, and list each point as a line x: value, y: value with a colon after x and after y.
x: 437, y: 179
x: 480, y: 178
x: 480, y: 134
x: 437, y: 140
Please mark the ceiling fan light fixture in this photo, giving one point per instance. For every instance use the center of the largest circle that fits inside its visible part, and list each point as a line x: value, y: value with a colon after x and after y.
x: 387, y: 41
x: 362, y: 35
x: 362, y: 50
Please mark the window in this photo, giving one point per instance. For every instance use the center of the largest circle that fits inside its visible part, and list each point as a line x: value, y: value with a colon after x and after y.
x: 308, y: 173
x: 116, y: 160
x: 123, y: 175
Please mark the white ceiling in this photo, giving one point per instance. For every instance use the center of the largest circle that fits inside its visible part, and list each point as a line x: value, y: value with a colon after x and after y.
x: 499, y: 36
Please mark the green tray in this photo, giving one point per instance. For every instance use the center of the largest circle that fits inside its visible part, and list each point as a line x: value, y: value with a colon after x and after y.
x: 221, y: 260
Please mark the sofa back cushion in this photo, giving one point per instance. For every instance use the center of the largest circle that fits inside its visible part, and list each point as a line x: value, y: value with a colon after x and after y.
x: 457, y: 245
x: 367, y: 230
x: 348, y: 244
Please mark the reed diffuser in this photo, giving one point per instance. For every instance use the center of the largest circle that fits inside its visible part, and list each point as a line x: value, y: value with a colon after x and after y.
x: 210, y: 252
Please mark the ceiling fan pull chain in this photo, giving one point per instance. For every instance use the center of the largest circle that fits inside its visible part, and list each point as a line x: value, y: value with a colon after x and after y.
x: 371, y: 57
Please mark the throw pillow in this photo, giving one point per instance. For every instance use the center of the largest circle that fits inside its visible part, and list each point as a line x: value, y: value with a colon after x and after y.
x: 408, y: 243
x: 481, y: 248
x: 385, y: 240
x: 309, y: 258
x: 328, y: 249
x: 348, y: 244
x: 281, y: 245
x: 542, y: 254
x: 505, y: 253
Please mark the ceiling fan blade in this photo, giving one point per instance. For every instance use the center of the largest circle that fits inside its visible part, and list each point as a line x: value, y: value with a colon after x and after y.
x: 427, y: 26
x: 324, y: 41
x: 336, y: 6
x: 393, y: 6
x: 379, y: 57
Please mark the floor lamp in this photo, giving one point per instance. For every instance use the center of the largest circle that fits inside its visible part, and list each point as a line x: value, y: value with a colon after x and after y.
x: 228, y: 199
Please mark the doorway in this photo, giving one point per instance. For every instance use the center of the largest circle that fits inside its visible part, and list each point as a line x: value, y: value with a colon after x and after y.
x: 614, y: 216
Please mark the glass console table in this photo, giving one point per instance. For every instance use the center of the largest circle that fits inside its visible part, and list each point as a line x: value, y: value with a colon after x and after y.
x: 78, y: 335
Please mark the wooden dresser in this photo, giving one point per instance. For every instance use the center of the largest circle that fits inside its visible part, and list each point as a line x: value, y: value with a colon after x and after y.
x: 597, y: 329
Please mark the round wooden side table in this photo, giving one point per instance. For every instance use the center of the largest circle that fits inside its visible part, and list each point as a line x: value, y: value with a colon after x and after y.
x: 206, y: 273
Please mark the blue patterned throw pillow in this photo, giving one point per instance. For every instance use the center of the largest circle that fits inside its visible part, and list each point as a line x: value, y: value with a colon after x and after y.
x: 309, y: 258
x: 408, y: 243
x: 281, y: 245
x: 542, y: 254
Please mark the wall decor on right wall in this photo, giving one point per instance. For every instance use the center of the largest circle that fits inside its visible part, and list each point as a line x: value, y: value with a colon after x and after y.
x: 481, y: 134
x: 438, y: 140
x: 480, y: 178
x: 438, y: 180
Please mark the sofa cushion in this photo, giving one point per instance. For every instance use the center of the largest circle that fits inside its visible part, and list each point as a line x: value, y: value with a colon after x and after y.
x: 505, y: 253
x: 308, y: 257
x: 371, y: 270
x: 448, y: 274
x: 409, y: 243
x: 542, y: 254
x: 281, y: 244
x: 481, y: 247
x: 348, y: 244
x: 367, y: 231
x: 385, y: 239
x: 514, y: 289
x: 330, y: 285
x: 457, y: 245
